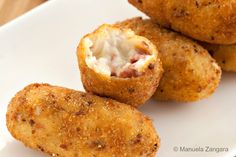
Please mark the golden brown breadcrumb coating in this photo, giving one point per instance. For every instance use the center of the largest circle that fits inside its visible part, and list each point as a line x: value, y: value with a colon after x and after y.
x: 225, y: 55
x: 190, y: 73
x: 68, y: 123
x: 130, y: 90
x: 212, y: 21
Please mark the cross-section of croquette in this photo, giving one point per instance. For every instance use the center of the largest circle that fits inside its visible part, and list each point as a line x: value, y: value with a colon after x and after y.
x: 118, y: 64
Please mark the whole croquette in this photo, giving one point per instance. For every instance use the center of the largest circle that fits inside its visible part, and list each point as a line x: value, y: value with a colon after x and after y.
x: 118, y: 64
x: 190, y: 73
x: 68, y: 123
x: 212, y: 21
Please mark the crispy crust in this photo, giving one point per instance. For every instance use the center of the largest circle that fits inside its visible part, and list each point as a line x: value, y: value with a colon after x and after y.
x: 67, y: 123
x: 225, y: 55
x: 133, y: 91
x: 212, y: 21
x: 190, y: 73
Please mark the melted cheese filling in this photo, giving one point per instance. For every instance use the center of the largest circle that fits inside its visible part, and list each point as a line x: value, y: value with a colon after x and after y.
x: 116, y: 52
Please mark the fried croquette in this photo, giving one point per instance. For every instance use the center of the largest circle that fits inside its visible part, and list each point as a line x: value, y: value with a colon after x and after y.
x: 225, y: 55
x: 190, y: 73
x: 212, y: 21
x: 68, y: 123
x: 118, y: 64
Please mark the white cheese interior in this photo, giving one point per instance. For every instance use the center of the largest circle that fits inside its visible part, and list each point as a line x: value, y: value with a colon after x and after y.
x: 113, y: 52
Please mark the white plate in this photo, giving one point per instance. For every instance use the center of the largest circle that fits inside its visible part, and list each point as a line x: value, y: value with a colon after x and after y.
x: 40, y: 47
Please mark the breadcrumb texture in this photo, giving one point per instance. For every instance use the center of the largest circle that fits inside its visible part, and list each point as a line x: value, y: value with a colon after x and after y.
x: 190, y: 73
x: 134, y: 91
x: 212, y: 21
x: 68, y: 123
x: 225, y: 55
